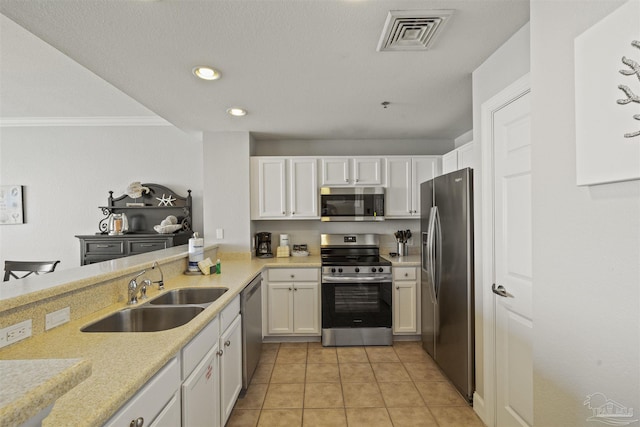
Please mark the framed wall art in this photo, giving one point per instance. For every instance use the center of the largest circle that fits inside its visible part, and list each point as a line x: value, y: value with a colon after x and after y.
x: 607, y: 98
x: 11, y: 208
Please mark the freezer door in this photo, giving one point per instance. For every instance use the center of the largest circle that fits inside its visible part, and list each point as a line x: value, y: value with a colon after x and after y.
x: 428, y: 310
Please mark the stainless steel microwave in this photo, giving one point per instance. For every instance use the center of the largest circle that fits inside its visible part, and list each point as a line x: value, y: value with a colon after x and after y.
x: 352, y: 203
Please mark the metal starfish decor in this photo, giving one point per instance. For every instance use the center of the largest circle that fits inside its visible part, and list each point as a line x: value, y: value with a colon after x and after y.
x: 634, y: 70
x: 166, y: 201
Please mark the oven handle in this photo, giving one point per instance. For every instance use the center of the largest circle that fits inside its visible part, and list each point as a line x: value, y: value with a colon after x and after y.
x: 379, y: 279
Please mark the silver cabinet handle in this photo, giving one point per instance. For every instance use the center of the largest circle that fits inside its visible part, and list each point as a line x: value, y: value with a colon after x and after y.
x: 219, y: 352
x: 406, y: 274
x: 397, y: 287
x: 295, y: 289
x: 103, y: 246
x: 293, y: 275
x: 500, y: 290
x: 138, y: 422
x: 290, y: 289
x: 227, y: 343
x: 146, y: 245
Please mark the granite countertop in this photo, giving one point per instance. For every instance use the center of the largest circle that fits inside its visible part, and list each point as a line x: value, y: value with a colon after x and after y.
x: 29, y: 386
x: 121, y: 363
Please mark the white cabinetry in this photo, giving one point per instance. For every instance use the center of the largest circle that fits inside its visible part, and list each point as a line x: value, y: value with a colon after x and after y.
x: 154, y: 399
x: 284, y: 188
x: 345, y: 171
x: 293, y: 301
x: 230, y: 368
x: 404, y: 176
x: 405, y: 300
x: 460, y: 158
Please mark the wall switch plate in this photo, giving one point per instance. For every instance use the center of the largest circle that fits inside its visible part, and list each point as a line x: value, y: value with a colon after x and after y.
x: 15, y: 333
x: 57, y: 318
x: 219, y: 233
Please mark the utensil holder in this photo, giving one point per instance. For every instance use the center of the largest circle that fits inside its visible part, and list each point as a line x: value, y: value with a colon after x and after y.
x: 403, y: 249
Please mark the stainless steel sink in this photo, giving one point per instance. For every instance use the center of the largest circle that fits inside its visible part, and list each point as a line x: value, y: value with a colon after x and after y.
x: 189, y: 296
x: 145, y: 319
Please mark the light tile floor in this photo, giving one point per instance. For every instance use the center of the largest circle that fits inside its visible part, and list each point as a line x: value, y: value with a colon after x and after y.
x: 307, y: 385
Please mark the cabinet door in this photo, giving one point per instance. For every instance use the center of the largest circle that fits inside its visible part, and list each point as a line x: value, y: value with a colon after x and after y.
x: 422, y: 169
x: 404, y: 307
x: 230, y: 368
x: 398, y: 195
x: 303, y: 182
x: 450, y: 162
x: 170, y: 415
x: 271, y: 188
x: 201, y: 393
x: 367, y: 171
x: 335, y: 171
x: 466, y: 157
x: 306, y: 308
x: 280, y: 307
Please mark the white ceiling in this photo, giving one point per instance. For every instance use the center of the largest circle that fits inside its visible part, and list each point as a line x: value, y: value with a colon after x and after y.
x: 304, y: 69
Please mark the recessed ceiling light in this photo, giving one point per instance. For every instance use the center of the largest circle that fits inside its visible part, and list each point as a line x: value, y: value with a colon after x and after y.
x: 237, y: 112
x: 207, y: 73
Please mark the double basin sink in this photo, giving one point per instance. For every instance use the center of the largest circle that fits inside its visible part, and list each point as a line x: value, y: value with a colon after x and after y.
x: 169, y: 310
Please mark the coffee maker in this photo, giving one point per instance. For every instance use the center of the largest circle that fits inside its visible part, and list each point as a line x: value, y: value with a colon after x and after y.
x: 263, y: 245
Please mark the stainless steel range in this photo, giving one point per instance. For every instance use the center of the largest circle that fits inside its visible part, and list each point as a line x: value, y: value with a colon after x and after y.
x: 356, y: 291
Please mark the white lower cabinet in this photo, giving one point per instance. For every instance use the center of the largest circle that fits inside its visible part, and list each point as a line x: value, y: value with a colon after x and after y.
x: 293, y: 301
x: 405, y: 300
x: 230, y: 368
x: 201, y: 393
x: 151, y: 400
x: 170, y: 415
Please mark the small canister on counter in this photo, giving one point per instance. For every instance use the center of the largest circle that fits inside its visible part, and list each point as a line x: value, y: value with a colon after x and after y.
x: 196, y: 252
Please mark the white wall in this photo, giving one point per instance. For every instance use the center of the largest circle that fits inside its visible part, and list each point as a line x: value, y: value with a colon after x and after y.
x: 226, y: 189
x: 503, y: 67
x: 586, y: 241
x: 68, y: 171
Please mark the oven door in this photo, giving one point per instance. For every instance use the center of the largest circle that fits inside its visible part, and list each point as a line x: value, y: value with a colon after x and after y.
x: 356, y: 304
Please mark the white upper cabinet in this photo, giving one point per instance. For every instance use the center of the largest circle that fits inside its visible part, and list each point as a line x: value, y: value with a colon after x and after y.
x: 284, y: 188
x: 345, y: 171
x: 460, y: 158
x: 404, y: 176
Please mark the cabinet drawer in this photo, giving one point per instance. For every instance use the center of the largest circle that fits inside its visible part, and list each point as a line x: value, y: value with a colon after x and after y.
x: 293, y: 275
x: 404, y: 273
x: 104, y: 247
x: 141, y: 246
x: 193, y: 352
x: 152, y: 398
x: 229, y: 313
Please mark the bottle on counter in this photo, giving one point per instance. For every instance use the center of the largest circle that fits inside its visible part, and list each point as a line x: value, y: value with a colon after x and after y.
x: 218, y: 266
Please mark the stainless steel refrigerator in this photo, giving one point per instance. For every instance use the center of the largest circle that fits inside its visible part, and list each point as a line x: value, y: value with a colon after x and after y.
x: 446, y: 226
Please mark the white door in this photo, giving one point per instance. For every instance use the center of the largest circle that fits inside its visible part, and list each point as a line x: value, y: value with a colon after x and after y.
x: 422, y: 169
x: 335, y: 171
x: 230, y: 368
x: 512, y: 263
x: 306, y: 308
x: 367, y: 171
x: 404, y: 307
x: 201, y: 393
x: 304, y: 188
x: 280, y: 307
x: 399, y: 187
x: 272, y: 188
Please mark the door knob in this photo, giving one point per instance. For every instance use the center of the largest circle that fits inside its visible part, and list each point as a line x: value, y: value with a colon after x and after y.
x: 500, y: 290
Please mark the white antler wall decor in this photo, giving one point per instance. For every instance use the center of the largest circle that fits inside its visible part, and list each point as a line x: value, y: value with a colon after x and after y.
x: 634, y: 70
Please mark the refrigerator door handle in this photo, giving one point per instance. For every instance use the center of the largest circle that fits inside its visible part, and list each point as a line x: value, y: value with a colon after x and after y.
x: 431, y: 254
x: 437, y: 253
x: 425, y: 251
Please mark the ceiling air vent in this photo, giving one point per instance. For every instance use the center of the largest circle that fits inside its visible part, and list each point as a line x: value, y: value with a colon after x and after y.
x: 412, y: 29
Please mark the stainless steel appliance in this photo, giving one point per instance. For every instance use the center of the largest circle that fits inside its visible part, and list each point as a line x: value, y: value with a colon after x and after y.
x: 446, y: 203
x: 356, y: 291
x: 263, y: 245
x: 352, y: 203
x: 251, y: 310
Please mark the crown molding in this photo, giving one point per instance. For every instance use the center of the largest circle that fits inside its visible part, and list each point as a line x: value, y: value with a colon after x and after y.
x: 84, y: 121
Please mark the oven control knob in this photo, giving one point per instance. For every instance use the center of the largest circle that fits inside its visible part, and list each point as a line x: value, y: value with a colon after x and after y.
x: 339, y: 270
x: 381, y: 269
x: 333, y: 270
x: 373, y: 269
x: 357, y: 270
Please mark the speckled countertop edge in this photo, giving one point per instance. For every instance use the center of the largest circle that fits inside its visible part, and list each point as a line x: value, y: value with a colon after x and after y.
x: 29, y: 386
x: 135, y: 357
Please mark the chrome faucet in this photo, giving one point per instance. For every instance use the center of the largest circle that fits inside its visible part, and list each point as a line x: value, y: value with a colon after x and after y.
x: 161, y: 281
x: 133, y: 289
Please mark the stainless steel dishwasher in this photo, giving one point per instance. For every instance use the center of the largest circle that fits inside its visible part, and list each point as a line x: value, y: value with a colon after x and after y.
x: 251, y: 309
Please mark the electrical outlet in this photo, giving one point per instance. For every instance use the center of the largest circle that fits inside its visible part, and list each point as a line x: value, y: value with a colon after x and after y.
x: 57, y: 318
x: 219, y: 233
x: 15, y: 333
